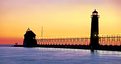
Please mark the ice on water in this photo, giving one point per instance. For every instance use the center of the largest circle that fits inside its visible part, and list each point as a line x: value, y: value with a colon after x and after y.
x: 20, y: 55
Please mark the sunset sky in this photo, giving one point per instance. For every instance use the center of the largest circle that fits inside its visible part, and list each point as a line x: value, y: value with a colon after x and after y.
x: 59, y: 18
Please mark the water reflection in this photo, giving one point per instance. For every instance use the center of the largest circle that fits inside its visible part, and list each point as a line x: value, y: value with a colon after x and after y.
x: 80, y: 52
x: 109, y: 53
x: 57, y: 56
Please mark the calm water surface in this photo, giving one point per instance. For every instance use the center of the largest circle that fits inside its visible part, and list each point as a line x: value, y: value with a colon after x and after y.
x: 19, y: 55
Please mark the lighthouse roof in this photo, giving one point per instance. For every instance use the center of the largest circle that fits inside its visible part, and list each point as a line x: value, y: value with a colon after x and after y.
x: 95, y: 11
x: 29, y: 32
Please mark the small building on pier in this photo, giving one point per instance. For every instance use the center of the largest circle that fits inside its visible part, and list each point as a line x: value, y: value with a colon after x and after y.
x: 29, y: 39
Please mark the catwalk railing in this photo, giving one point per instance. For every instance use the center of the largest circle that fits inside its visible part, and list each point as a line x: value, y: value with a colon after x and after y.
x: 105, y: 40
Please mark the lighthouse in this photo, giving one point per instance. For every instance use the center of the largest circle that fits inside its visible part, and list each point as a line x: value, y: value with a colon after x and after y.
x: 94, y: 36
x: 29, y: 39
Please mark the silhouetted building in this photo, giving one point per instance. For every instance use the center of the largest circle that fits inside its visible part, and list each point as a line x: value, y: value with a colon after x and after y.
x: 29, y: 39
x: 94, y: 38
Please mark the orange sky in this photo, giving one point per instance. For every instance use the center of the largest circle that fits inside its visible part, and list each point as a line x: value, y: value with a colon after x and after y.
x: 59, y: 18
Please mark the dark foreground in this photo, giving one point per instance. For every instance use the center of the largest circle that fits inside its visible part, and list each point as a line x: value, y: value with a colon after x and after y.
x: 110, y: 48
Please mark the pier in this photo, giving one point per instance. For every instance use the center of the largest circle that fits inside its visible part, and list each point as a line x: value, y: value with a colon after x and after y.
x: 94, y: 42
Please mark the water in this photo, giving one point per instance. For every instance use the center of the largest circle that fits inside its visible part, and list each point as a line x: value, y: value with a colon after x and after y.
x: 19, y: 55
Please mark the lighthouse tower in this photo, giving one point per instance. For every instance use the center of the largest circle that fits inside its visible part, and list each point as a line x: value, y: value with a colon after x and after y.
x: 94, y: 38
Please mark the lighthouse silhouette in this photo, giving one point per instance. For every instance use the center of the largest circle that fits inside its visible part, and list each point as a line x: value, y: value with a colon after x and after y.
x: 29, y: 39
x: 94, y: 38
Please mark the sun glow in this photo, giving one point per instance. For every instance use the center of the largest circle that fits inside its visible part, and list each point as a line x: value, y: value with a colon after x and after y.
x: 59, y: 18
